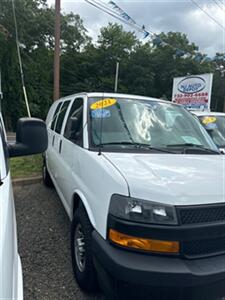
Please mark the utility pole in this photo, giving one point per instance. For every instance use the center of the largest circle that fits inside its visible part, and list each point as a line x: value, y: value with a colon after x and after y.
x: 117, y: 75
x: 56, y: 93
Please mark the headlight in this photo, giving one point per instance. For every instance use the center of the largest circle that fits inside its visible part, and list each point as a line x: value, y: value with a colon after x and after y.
x: 142, y: 211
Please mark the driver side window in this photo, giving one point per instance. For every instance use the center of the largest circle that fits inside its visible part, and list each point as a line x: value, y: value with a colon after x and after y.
x: 74, y: 124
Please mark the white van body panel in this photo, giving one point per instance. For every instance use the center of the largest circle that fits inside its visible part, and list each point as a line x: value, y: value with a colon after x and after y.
x: 172, y: 178
x: 11, y: 279
x: 11, y: 283
x: 70, y: 176
x: 95, y: 188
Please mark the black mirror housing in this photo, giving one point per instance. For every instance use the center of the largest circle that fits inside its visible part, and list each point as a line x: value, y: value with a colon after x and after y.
x: 31, y: 137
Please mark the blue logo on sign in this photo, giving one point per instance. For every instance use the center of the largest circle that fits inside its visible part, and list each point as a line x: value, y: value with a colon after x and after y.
x: 192, y: 84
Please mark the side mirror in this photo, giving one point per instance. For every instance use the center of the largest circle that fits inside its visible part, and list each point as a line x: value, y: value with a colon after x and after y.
x: 31, y: 137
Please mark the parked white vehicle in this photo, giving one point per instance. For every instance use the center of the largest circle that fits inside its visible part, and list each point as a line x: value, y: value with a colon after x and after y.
x: 214, y: 123
x: 31, y: 139
x: 143, y: 185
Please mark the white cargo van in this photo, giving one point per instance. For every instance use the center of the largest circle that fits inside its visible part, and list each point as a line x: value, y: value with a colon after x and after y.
x: 31, y: 138
x: 143, y: 185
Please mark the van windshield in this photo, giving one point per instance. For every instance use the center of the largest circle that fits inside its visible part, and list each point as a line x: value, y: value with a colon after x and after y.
x: 123, y: 123
x: 215, y: 125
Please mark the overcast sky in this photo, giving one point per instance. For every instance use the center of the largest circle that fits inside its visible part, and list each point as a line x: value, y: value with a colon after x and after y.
x: 179, y: 15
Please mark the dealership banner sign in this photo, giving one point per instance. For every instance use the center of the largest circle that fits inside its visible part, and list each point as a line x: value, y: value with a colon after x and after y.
x: 193, y: 91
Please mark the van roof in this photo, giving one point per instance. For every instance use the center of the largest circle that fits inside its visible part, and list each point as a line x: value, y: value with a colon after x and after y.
x: 117, y: 95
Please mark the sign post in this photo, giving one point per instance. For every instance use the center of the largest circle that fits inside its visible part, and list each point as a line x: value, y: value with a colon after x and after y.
x: 193, y: 91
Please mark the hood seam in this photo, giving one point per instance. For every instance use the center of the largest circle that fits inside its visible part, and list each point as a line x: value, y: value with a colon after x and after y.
x: 118, y: 171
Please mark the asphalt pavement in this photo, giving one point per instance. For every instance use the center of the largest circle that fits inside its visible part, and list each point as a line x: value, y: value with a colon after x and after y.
x: 44, y: 245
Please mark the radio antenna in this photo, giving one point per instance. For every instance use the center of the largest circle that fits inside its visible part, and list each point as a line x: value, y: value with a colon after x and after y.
x: 101, y: 125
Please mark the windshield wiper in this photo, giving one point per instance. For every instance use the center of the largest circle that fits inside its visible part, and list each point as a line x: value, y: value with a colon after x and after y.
x: 137, y: 145
x: 191, y: 145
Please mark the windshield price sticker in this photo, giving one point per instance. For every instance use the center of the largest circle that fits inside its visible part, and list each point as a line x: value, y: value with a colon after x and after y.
x: 103, y: 103
x: 100, y: 113
x: 208, y: 120
x: 211, y: 126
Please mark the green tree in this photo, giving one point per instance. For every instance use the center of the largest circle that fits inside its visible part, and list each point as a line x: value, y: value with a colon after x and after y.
x: 113, y: 44
x: 36, y: 35
x: 218, y: 90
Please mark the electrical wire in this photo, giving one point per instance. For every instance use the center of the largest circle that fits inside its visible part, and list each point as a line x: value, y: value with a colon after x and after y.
x: 137, y: 26
x: 218, y: 5
x: 140, y: 26
x: 112, y: 13
x: 206, y: 13
x: 117, y: 16
x: 20, y: 60
x: 223, y: 3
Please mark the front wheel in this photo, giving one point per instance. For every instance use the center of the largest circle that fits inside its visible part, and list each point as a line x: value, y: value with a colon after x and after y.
x: 81, y: 251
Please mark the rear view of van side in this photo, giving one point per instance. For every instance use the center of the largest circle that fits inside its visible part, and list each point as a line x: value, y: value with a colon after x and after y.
x: 143, y: 184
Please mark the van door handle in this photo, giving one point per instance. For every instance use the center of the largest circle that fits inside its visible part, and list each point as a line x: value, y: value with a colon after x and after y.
x: 53, y: 140
x: 60, y: 146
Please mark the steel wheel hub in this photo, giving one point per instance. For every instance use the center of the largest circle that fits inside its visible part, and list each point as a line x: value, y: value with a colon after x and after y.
x: 79, y: 245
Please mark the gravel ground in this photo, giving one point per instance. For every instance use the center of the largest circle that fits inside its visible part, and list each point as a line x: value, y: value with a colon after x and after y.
x: 44, y: 245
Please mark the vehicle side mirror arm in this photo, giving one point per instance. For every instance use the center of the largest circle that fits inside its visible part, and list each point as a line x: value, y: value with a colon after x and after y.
x: 18, y: 149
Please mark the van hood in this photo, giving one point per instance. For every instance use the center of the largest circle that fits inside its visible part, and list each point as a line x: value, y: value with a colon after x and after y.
x: 177, y: 179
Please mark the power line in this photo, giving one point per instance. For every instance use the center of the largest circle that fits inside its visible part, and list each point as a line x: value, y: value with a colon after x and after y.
x: 221, y: 2
x: 20, y: 61
x: 112, y: 13
x: 206, y: 13
x: 218, y: 5
x: 136, y: 26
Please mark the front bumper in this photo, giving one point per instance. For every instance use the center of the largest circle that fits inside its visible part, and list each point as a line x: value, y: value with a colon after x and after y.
x: 131, y: 275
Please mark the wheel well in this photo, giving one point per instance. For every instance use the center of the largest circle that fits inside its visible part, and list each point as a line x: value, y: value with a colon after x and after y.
x: 76, y: 202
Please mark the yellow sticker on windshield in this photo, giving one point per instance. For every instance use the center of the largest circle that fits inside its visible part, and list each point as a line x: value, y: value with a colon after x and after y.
x: 103, y: 103
x: 208, y: 120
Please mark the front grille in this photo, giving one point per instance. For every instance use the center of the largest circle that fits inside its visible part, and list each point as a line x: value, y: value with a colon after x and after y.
x: 201, y: 214
x: 201, y: 248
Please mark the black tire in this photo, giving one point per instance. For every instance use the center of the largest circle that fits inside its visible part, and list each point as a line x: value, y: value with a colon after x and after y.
x: 85, y: 276
x: 45, y: 175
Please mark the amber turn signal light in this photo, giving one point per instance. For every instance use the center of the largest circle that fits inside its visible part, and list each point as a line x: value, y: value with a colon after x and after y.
x: 143, y: 244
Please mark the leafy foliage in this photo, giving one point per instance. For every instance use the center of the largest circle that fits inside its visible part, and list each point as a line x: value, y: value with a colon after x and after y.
x: 145, y: 68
